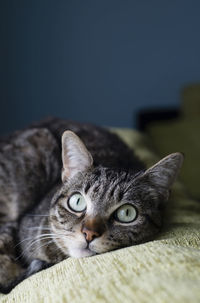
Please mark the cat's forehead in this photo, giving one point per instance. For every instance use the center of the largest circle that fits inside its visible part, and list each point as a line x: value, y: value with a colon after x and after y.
x: 103, y: 180
x: 104, y: 186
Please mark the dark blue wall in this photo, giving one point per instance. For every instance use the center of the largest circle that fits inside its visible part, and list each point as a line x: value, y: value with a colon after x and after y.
x: 97, y: 60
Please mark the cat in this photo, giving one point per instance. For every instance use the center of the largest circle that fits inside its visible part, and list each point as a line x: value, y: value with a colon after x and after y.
x: 74, y: 190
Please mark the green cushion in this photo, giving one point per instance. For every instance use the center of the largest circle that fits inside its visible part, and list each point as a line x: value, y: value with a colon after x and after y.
x: 180, y: 135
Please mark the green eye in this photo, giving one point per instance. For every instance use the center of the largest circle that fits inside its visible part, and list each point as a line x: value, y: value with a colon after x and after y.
x: 126, y: 213
x: 77, y: 203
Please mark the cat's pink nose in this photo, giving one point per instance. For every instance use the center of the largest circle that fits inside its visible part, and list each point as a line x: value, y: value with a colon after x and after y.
x: 89, y: 234
x: 93, y: 228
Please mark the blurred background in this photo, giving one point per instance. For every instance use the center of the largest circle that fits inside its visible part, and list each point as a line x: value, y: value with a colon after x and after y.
x: 97, y: 61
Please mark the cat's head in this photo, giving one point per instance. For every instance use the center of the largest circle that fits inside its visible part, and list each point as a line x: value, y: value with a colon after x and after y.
x: 100, y: 209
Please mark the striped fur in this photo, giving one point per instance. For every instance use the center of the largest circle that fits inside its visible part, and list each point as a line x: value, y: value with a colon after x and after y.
x: 35, y: 199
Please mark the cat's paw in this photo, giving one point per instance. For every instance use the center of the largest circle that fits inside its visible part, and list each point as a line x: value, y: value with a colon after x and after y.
x: 9, y: 269
x: 35, y: 266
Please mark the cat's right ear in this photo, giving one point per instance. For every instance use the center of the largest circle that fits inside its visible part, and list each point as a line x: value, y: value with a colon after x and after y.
x: 75, y: 156
x: 163, y: 174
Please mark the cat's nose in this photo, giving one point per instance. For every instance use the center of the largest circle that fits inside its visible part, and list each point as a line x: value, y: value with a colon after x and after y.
x: 93, y: 228
x: 89, y: 234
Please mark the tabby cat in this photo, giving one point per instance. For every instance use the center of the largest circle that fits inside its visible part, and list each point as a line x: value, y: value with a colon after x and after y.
x: 96, y: 198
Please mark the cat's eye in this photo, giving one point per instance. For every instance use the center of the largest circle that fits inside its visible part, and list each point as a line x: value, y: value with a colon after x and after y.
x: 126, y: 213
x: 77, y: 203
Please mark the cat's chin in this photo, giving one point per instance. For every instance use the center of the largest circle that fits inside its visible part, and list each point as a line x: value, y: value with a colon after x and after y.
x: 81, y: 252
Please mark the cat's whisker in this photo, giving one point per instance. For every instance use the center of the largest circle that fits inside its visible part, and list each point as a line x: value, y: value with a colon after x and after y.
x: 37, y: 215
x: 38, y: 237
x: 26, y: 239
x: 30, y: 238
x: 32, y: 243
x: 43, y: 245
x: 41, y: 237
x: 37, y: 228
x: 37, y: 240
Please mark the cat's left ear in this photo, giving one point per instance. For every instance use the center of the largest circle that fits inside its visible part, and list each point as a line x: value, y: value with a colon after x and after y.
x: 75, y: 156
x: 163, y: 174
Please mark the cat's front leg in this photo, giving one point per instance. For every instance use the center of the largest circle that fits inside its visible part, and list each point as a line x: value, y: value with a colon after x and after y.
x: 10, y: 268
x: 34, y: 267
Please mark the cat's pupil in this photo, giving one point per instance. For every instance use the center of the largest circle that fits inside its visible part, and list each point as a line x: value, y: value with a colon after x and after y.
x: 78, y: 201
x: 127, y: 212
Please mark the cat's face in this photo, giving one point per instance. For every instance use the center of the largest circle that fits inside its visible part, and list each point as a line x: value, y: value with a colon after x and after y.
x: 100, y: 209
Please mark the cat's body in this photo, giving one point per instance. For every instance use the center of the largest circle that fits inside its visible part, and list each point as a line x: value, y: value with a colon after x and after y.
x: 105, y: 199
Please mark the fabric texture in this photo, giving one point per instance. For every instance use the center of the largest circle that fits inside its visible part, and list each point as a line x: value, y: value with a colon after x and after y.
x: 164, y: 270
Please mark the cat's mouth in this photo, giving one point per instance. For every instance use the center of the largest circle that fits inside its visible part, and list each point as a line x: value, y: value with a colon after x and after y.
x: 81, y: 252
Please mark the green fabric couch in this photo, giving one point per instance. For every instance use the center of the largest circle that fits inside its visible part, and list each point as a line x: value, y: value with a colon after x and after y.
x: 182, y: 134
